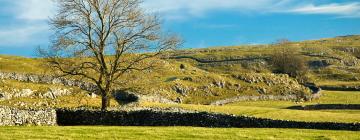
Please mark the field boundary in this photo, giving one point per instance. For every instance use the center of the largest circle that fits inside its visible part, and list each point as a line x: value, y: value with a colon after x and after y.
x: 150, y: 117
x: 67, y: 117
x: 219, y: 61
x: 327, y: 107
x: 340, y: 88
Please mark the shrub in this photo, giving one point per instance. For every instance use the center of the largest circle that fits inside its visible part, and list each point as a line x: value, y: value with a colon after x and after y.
x: 286, y: 59
x: 182, y: 66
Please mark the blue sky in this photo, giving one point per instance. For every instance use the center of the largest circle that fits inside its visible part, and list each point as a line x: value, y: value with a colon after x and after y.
x: 201, y: 23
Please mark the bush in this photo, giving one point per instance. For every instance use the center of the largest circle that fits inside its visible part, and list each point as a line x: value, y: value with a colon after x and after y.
x: 182, y: 66
x: 286, y: 59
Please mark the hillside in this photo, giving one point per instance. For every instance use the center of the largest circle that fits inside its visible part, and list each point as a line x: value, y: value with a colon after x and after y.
x: 332, y: 59
x: 196, y: 76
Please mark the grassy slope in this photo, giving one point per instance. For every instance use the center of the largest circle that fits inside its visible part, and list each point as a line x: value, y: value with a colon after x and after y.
x: 158, y: 82
x: 161, y: 82
x: 140, y: 133
x: 164, y: 79
x: 21, y: 65
x: 326, y: 49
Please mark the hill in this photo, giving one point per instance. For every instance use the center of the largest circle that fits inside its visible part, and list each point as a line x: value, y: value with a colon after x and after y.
x: 193, y: 76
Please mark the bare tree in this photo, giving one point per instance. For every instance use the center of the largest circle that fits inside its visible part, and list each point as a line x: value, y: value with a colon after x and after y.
x: 287, y: 59
x: 101, y: 40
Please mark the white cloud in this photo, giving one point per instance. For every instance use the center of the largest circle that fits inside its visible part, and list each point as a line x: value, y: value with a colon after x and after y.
x: 22, y: 35
x: 180, y: 8
x: 34, y: 9
x: 29, y: 23
x: 183, y: 8
x: 346, y: 10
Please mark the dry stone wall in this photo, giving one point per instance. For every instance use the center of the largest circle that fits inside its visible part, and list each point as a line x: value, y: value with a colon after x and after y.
x: 327, y: 106
x: 152, y: 117
x: 13, y: 117
x: 341, y: 88
x: 255, y: 98
x: 196, y: 119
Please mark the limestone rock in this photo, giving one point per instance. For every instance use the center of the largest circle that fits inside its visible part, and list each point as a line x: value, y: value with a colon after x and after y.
x: 181, y: 89
x: 24, y: 93
x: 54, y: 93
x: 92, y: 95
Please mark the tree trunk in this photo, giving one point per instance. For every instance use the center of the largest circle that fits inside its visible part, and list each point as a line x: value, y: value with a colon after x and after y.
x: 105, y: 102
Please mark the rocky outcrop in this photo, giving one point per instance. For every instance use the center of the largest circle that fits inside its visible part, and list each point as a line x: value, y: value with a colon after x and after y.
x: 289, y: 89
x: 54, y: 93
x: 12, y: 117
x: 15, y: 93
x: 48, y: 80
x: 283, y: 83
x: 156, y: 99
x: 183, y: 90
x: 268, y: 79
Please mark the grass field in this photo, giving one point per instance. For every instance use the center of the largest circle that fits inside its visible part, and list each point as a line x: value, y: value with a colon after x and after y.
x: 139, y: 133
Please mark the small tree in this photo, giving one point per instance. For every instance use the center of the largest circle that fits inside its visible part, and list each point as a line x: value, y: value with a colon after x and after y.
x: 287, y: 60
x: 101, y: 40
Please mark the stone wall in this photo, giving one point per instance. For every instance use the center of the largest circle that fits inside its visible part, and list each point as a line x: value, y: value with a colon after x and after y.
x: 255, y: 98
x: 264, y: 98
x: 327, y: 106
x: 152, y: 117
x: 341, y: 88
x: 195, y: 119
x: 12, y: 117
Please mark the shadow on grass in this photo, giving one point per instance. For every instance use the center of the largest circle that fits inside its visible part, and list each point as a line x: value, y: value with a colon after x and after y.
x: 124, y: 97
x: 327, y: 107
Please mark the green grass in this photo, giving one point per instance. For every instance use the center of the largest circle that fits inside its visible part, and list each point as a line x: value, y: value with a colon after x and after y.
x: 328, y: 97
x: 272, y: 113
x: 276, y: 109
x: 22, y: 65
x: 140, y: 133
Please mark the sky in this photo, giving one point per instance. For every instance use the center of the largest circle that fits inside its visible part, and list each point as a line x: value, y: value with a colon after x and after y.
x: 201, y: 23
